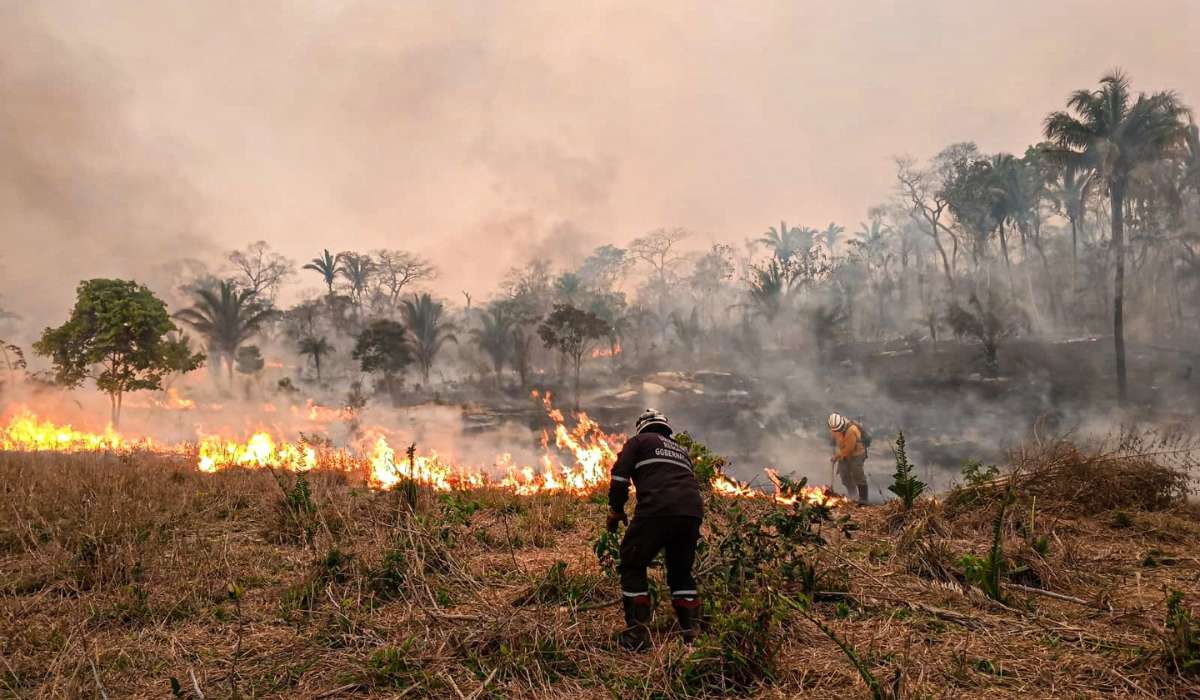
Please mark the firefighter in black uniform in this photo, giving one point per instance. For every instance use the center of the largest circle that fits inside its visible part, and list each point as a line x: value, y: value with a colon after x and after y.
x: 668, y: 514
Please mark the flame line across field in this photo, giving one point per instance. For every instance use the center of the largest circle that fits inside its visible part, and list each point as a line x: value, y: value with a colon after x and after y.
x: 592, y: 453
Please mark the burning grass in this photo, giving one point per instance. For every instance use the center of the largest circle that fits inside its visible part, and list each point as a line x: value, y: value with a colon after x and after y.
x: 135, y: 575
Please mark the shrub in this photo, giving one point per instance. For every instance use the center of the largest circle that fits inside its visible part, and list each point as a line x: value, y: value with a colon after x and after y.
x: 986, y: 572
x: 904, y: 483
x: 707, y: 463
x: 1182, y: 639
x: 739, y: 648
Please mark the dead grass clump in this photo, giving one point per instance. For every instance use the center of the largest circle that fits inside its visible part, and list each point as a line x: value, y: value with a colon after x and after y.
x: 403, y: 667
x: 1136, y: 471
x: 560, y: 587
x: 535, y: 653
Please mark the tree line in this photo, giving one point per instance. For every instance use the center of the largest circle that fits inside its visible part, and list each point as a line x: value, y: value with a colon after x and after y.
x: 1098, y: 216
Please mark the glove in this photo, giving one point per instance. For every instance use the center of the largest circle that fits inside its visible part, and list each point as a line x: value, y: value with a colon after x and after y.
x: 614, y: 519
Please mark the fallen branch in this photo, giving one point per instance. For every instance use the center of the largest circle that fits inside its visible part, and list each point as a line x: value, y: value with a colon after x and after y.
x: 1052, y: 594
x: 96, y: 675
x: 483, y: 686
x: 598, y: 606
x: 195, y: 684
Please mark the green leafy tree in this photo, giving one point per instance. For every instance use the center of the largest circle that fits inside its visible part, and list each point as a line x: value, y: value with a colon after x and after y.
x: 383, y: 348
x: 116, y: 335
x: 327, y: 266
x: 568, y: 288
x: 602, y: 269
x: 226, y: 317
x: 1112, y: 132
x: 315, y: 348
x: 430, y: 331
x: 494, y: 335
x: 572, y: 331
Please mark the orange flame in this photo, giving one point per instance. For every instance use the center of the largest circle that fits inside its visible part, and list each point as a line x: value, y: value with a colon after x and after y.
x: 612, y: 351
x: 576, y: 460
x: 25, y: 432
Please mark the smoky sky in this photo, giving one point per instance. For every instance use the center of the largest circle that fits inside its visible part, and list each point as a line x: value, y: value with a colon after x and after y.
x: 483, y: 133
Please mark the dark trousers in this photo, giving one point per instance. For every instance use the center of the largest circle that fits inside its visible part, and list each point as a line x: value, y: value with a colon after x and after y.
x: 645, y: 538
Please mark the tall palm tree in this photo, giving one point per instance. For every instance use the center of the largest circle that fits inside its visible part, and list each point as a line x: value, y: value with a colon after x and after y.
x: 873, y: 242
x: 316, y: 348
x: 1112, y: 132
x: 786, y: 242
x: 872, y: 239
x: 830, y: 236
x: 357, y: 270
x: 1071, y: 194
x: 226, y: 316
x: 1006, y: 203
x: 494, y: 336
x: 522, y: 352
x: 430, y: 332
x: 327, y: 266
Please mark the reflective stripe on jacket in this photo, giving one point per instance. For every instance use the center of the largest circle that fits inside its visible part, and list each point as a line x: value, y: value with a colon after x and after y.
x: 661, y: 471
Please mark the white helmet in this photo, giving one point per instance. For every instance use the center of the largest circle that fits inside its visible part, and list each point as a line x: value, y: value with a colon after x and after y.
x: 837, y: 422
x: 648, y: 418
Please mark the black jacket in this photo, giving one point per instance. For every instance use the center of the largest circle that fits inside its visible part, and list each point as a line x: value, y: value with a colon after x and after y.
x: 661, y: 471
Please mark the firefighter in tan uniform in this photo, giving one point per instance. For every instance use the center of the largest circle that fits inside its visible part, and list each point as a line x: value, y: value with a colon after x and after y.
x: 849, y: 455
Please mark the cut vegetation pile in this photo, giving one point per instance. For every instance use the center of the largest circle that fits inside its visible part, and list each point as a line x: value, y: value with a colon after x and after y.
x: 1076, y: 575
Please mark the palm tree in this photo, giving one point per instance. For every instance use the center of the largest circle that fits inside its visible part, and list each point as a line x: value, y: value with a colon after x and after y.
x: 1071, y: 195
x: 769, y: 287
x: 327, y: 266
x: 494, y: 337
x: 423, y: 316
x: 316, y: 348
x: 226, y: 317
x: 357, y: 270
x: 830, y: 236
x: 786, y: 242
x: 1114, y: 133
x: 522, y: 353
x: 872, y: 239
x: 1006, y: 202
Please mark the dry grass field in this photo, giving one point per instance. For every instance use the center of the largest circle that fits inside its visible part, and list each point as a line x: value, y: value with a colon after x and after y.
x: 136, y: 576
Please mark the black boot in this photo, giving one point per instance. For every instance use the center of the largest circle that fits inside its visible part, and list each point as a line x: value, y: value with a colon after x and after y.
x: 688, y: 612
x: 863, y: 494
x: 636, y: 635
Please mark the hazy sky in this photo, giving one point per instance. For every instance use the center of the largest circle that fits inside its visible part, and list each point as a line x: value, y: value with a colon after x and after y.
x: 482, y: 133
